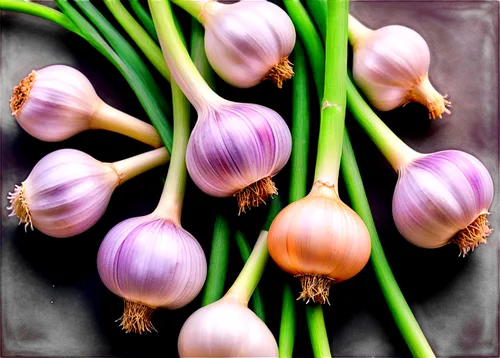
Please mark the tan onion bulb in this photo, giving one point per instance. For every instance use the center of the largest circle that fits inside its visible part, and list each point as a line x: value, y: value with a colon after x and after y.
x: 391, y: 65
x: 319, y: 240
x: 57, y: 102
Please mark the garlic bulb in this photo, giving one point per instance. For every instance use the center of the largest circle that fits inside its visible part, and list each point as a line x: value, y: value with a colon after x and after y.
x: 391, y: 65
x: 443, y: 198
x: 246, y: 42
x: 226, y: 329
x: 68, y: 191
x: 57, y: 102
x: 152, y: 263
x: 235, y: 149
x: 320, y: 240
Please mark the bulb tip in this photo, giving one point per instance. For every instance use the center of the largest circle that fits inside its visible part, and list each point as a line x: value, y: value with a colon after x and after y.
x: 255, y: 194
x: 473, y: 235
x: 19, y: 206
x: 438, y: 107
x: 315, y: 288
x: 21, y: 92
x: 280, y: 72
x: 136, y: 318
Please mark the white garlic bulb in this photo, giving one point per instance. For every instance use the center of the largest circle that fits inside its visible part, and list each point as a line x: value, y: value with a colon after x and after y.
x: 246, y: 42
x: 226, y: 329
x: 57, y: 102
x: 391, y: 65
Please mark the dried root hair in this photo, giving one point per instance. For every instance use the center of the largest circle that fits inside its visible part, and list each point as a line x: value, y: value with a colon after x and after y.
x: 255, y: 194
x: 19, y: 206
x: 473, y: 235
x: 315, y: 288
x: 21, y: 92
x: 136, y: 318
x: 280, y: 72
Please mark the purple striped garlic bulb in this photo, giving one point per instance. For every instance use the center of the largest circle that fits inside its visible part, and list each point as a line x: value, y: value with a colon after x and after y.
x: 68, y: 191
x: 443, y: 198
x: 151, y: 262
x: 235, y: 149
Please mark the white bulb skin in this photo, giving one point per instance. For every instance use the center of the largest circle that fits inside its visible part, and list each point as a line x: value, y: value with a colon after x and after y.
x: 391, y: 65
x: 226, y: 329
x: 245, y: 40
x: 59, y: 104
x: 440, y: 194
x: 65, y: 194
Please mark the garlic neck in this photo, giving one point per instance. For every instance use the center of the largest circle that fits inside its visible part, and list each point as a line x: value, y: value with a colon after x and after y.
x: 131, y: 167
x: 195, y: 8
x: 357, y: 32
x: 108, y: 118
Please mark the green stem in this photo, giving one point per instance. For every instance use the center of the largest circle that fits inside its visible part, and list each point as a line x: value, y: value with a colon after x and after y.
x: 257, y: 302
x: 287, y: 327
x: 250, y: 275
x: 219, y: 254
x: 193, y: 7
x: 170, y: 205
x: 317, y: 331
x: 392, y: 148
x: 139, y: 35
x: 300, y: 126
x: 141, y: 90
x: 198, y: 53
x: 334, y: 97
x: 305, y: 28
x: 145, y: 18
x: 318, y: 10
x: 400, y: 310
x: 181, y: 66
x: 40, y: 11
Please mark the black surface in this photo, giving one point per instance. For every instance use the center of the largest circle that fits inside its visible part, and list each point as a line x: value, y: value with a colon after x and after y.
x: 54, y: 304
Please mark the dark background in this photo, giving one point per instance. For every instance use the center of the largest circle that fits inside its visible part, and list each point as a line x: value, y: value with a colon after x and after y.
x: 54, y: 304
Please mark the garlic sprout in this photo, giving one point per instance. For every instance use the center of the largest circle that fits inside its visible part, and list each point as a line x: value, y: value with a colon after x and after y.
x: 68, y: 191
x: 391, y: 66
x: 247, y: 41
x: 440, y: 198
x: 151, y: 261
x: 235, y: 148
x: 57, y: 102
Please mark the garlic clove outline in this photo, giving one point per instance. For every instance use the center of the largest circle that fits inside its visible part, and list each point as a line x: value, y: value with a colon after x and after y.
x: 58, y: 101
x: 444, y: 198
x: 319, y: 240
x: 226, y: 328
x: 391, y: 65
x: 248, y: 41
x: 235, y: 149
x: 68, y: 191
x: 152, y: 263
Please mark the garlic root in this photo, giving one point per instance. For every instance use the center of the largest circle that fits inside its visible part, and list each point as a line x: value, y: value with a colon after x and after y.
x: 19, y: 206
x: 473, y: 235
x: 136, y: 318
x: 280, y: 72
x: 255, y: 194
x: 21, y: 93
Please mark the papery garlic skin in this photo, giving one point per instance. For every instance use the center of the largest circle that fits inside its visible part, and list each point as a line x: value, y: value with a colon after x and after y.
x: 65, y: 194
x: 226, y: 329
x: 151, y: 261
x: 391, y: 65
x: 319, y: 236
x: 438, y: 195
x: 245, y: 41
x: 58, y: 105
x: 235, y: 145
